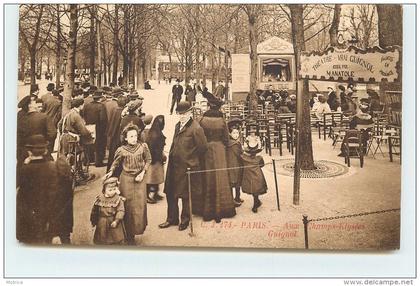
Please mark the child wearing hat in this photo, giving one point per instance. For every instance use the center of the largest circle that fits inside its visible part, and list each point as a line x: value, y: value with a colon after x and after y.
x: 233, y: 157
x: 253, y: 180
x: 108, y: 213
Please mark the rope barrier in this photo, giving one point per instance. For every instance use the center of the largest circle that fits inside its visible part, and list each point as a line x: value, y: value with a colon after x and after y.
x: 224, y: 169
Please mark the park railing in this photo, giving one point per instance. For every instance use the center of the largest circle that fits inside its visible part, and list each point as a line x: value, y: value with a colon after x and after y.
x: 306, y: 221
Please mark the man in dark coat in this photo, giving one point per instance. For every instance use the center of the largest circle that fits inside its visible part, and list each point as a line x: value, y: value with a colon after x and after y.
x: 177, y: 91
x: 31, y: 123
x: 53, y: 109
x: 48, y: 96
x: 332, y: 99
x: 220, y: 91
x: 44, y: 203
x: 188, y: 146
x: 95, y: 113
x: 113, y: 132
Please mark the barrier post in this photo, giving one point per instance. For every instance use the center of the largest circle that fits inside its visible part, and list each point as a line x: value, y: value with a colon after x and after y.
x: 305, y: 229
x: 296, y: 175
x: 275, y: 180
x: 190, y: 201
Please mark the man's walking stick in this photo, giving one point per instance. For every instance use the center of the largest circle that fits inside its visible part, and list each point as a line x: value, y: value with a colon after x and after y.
x: 190, y: 201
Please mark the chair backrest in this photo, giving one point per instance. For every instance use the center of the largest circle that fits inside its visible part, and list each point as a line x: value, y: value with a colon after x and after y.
x: 353, y: 136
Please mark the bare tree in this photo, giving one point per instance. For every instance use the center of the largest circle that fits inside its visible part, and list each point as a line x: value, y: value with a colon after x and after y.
x: 71, y: 59
x: 363, y: 22
x: 252, y: 13
x: 333, y: 31
x: 34, y: 31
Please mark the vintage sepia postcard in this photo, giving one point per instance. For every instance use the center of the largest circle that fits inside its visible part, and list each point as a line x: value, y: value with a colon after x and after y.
x: 210, y: 125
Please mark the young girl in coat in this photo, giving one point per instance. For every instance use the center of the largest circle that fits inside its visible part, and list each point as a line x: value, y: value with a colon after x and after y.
x: 233, y: 157
x: 156, y: 142
x: 253, y: 180
x: 134, y: 157
x: 108, y: 214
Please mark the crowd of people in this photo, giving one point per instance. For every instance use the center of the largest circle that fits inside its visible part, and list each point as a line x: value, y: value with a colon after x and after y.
x: 111, y: 119
x: 340, y: 99
x: 207, y: 160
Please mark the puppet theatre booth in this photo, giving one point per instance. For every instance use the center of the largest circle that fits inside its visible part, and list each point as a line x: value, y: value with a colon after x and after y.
x: 275, y: 68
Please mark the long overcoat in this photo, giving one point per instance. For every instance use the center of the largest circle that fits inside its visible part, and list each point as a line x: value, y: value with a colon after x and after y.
x: 177, y: 91
x: 95, y: 113
x: 44, y: 201
x: 188, y: 147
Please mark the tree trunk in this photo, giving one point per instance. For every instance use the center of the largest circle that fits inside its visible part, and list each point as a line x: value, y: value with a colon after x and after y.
x: 213, y: 68
x: 303, y: 116
x: 33, y: 66
x: 131, y: 61
x: 115, y: 47
x: 333, y: 31
x: 204, y: 71
x: 71, y: 60
x: 58, y: 51
x: 140, y: 69
x: 198, y: 45
x: 170, y: 64
x: 22, y: 67
x: 390, y: 34
x: 125, y: 54
x: 253, y: 41
x: 99, y: 69
x: 226, y: 61
x: 92, y: 47
x: 389, y: 24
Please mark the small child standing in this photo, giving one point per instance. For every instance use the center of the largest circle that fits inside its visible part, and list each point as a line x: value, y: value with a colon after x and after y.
x: 233, y: 156
x: 253, y: 180
x: 108, y: 214
x: 134, y: 157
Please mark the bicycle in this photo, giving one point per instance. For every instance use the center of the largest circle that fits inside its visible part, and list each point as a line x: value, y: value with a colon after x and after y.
x: 78, y: 159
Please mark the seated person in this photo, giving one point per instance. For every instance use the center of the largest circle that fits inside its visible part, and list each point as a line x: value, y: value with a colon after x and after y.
x: 322, y: 107
x: 147, y: 85
x: 282, y: 107
x: 361, y: 121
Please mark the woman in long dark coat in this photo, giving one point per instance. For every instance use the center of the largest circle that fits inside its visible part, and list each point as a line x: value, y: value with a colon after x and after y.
x: 218, y: 199
x: 156, y: 142
x: 113, y: 132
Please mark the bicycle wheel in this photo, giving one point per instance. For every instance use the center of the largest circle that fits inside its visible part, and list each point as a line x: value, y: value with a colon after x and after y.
x: 84, y: 160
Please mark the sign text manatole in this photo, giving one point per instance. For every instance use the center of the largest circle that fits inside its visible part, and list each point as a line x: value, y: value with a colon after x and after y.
x: 345, y: 64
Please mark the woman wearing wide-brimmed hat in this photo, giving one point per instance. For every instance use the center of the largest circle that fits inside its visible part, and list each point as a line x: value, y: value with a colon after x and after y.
x: 218, y: 199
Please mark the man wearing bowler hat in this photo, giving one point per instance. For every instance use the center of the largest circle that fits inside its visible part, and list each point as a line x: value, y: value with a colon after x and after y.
x: 177, y: 91
x: 188, y: 145
x: 44, y: 208
x: 95, y: 113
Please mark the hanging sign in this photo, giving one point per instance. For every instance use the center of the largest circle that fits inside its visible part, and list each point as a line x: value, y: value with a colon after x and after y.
x: 372, y: 65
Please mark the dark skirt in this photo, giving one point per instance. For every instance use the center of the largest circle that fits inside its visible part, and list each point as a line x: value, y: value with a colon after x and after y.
x: 135, y: 218
x: 218, y: 199
x: 105, y: 234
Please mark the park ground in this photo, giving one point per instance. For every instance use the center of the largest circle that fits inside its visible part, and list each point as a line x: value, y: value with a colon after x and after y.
x: 375, y: 187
